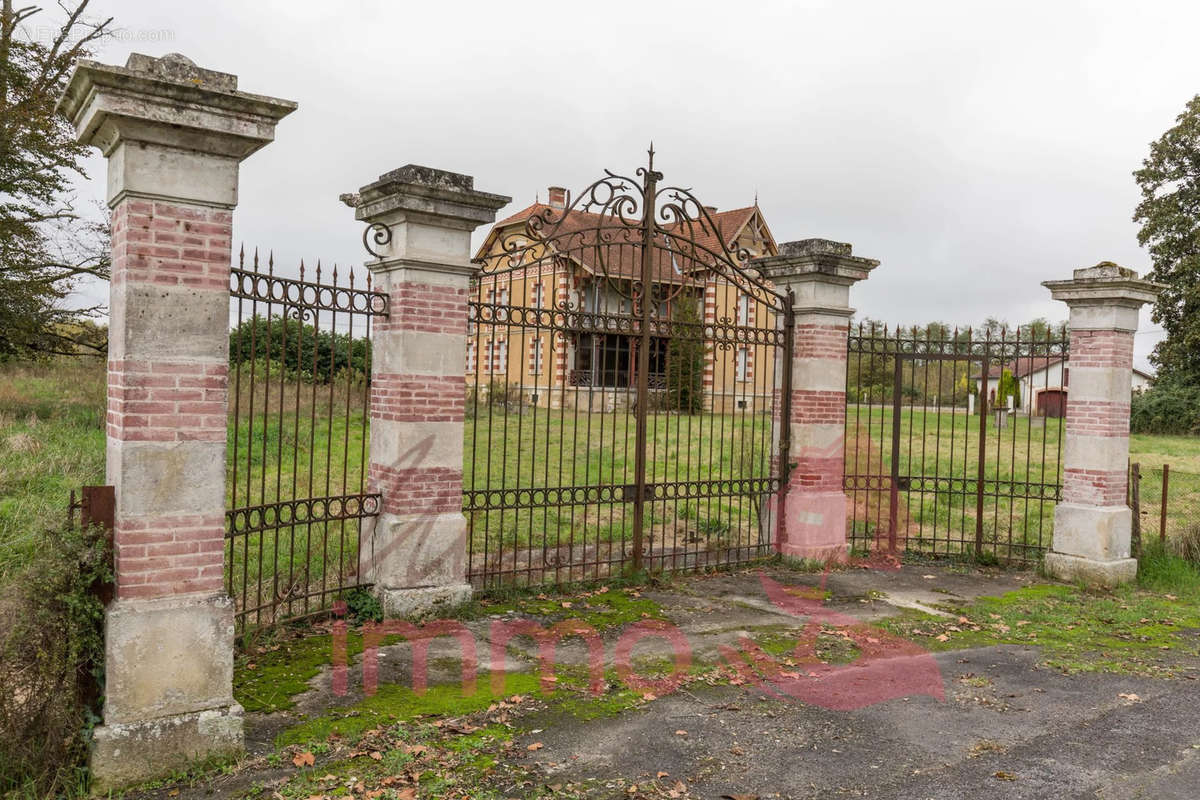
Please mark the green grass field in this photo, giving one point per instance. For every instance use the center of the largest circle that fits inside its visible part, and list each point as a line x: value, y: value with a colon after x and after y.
x: 1020, y: 466
x: 52, y: 440
x: 550, y: 448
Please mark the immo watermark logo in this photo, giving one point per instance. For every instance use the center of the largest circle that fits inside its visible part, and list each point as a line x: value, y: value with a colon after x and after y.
x: 886, y: 666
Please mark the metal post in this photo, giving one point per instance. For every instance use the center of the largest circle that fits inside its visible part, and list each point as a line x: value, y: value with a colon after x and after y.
x: 1162, y: 515
x: 785, y: 414
x: 643, y: 382
x: 894, y: 497
x: 1135, y: 504
x: 982, y: 467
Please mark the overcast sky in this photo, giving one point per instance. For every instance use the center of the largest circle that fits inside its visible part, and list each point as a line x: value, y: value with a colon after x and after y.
x: 974, y: 149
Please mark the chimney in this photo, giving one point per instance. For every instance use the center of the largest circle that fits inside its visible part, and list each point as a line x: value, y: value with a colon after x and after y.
x: 711, y: 209
x: 558, y: 197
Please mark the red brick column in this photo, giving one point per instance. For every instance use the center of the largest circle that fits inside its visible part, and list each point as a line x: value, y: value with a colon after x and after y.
x: 1092, y: 524
x: 417, y: 553
x: 167, y: 395
x: 811, y: 507
x: 174, y: 136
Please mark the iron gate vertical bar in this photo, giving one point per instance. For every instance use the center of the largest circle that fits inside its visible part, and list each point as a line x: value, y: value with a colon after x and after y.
x: 643, y: 395
x: 785, y: 415
x: 894, y: 493
x: 982, y: 464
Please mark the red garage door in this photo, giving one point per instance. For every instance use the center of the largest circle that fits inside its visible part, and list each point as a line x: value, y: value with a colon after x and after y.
x: 1052, y: 402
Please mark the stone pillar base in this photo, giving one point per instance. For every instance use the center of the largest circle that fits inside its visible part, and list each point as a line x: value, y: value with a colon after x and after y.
x: 1091, y: 571
x: 836, y: 553
x: 422, y: 601
x: 814, y: 526
x: 168, y: 687
x: 124, y: 754
x: 1099, y: 533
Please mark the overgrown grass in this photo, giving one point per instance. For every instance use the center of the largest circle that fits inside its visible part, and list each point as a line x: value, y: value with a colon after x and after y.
x: 1138, y: 629
x: 51, y: 441
x: 573, y: 448
x: 940, y: 515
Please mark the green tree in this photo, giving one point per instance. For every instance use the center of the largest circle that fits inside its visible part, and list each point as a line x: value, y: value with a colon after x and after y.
x: 301, y: 350
x: 1008, y: 387
x: 1169, y: 215
x: 685, y: 358
x: 45, y: 246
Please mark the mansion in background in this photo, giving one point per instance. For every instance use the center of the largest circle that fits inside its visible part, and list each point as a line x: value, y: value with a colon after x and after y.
x: 519, y: 343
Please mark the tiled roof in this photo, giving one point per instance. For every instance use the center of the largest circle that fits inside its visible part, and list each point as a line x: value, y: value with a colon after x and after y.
x: 599, y: 243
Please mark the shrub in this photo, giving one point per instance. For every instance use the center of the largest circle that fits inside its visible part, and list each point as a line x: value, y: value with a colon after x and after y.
x: 503, y: 398
x: 51, y: 656
x: 304, y: 352
x: 1168, y: 407
x: 1008, y: 387
x: 685, y: 362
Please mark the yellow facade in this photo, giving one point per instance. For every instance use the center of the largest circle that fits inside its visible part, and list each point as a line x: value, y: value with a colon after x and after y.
x: 529, y: 346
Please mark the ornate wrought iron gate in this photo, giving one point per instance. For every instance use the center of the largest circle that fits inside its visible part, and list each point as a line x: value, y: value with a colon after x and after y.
x: 949, y: 446
x: 623, y: 371
x: 300, y: 357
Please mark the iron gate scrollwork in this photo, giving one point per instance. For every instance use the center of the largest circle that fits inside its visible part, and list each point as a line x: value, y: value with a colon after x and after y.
x: 300, y: 363
x: 623, y: 372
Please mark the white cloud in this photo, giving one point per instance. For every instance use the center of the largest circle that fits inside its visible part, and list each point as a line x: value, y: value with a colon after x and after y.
x: 976, y: 150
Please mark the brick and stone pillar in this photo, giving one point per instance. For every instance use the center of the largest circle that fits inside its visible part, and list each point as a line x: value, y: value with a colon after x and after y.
x: 1092, y: 524
x: 819, y: 273
x: 174, y: 136
x: 416, y: 554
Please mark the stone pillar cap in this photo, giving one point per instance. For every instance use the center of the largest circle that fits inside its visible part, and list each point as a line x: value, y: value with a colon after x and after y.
x: 168, y: 101
x: 1105, y: 284
x: 449, y: 197
x: 815, y: 259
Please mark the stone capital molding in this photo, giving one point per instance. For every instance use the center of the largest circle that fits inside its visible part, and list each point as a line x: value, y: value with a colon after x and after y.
x: 1106, y: 284
x: 426, y: 196
x: 815, y: 260
x: 170, y: 102
x: 819, y: 273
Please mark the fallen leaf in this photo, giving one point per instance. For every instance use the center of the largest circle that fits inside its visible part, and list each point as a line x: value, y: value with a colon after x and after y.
x: 407, y: 794
x: 173, y: 793
x: 535, y: 746
x: 745, y: 796
x: 1130, y: 697
x: 681, y: 733
x: 304, y: 760
x: 1004, y: 776
x: 376, y: 755
x: 663, y: 774
x: 943, y: 638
